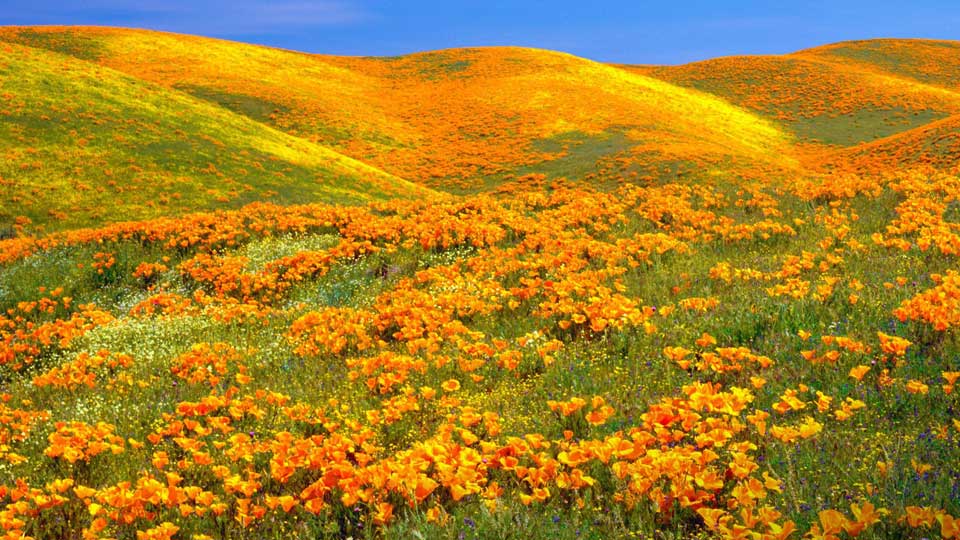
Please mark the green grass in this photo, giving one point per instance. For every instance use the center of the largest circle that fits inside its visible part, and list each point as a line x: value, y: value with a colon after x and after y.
x: 258, y: 108
x: 584, y: 158
x: 70, y: 43
x: 581, y: 153
x: 860, y: 127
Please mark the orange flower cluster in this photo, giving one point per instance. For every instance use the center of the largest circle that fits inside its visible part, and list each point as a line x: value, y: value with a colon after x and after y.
x: 23, y: 340
x: 83, y: 370
x: 384, y: 371
x: 164, y: 303
x: 791, y: 401
x: 226, y: 276
x: 689, y: 451
x: 698, y: 303
x: 832, y: 355
x: 202, y: 232
x: 677, y: 454
x: 73, y: 441
x: 333, y: 331
x: 207, y: 363
x: 15, y: 426
x: 721, y: 360
x: 921, y: 221
x: 893, y: 346
x: 926, y: 517
x: 795, y: 277
x: 103, y: 262
x: 561, y: 259
x: 938, y: 306
x: 149, y: 271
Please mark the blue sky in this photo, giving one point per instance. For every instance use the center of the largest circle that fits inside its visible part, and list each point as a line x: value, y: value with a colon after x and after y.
x: 629, y: 31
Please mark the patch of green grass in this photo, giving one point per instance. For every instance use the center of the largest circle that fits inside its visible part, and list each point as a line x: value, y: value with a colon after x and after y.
x: 258, y: 108
x: 74, y: 44
x: 580, y: 151
x: 862, y: 126
x: 435, y: 65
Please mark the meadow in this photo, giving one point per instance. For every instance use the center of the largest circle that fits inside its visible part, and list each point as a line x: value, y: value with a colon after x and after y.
x: 441, y: 296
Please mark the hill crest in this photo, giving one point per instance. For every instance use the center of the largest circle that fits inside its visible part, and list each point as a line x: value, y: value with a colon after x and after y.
x: 469, y: 119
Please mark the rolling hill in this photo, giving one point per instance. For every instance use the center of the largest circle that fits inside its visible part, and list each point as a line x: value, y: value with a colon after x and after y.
x: 934, y: 146
x: 85, y: 144
x: 200, y: 123
x: 839, y: 99
x: 818, y: 97
x: 932, y: 62
x: 444, y: 118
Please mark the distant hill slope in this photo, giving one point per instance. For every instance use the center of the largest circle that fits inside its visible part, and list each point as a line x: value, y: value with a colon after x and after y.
x: 931, y: 146
x: 820, y: 97
x: 933, y: 62
x: 445, y: 118
x: 85, y: 144
x: 509, y: 108
x: 856, y: 105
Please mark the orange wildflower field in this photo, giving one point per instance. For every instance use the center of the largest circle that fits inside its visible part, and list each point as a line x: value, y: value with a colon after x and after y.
x: 253, y: 293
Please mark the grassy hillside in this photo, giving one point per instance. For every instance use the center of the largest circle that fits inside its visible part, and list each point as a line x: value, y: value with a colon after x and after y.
x: 520, y: 107
x: 468, y: 119
x: 85, y: 144
x: 932, y: 146
x: 928, y: 61
x: 846, y: 100
x: 829, y: 100
x: 445, y: 118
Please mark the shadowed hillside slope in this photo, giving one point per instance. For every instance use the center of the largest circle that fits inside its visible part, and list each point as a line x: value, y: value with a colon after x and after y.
x: 932, y: 146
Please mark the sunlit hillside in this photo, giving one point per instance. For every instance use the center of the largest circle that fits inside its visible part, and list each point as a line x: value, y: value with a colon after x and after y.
x: 445, y: 118
x: 503, y: 107
x: 84, y: 144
